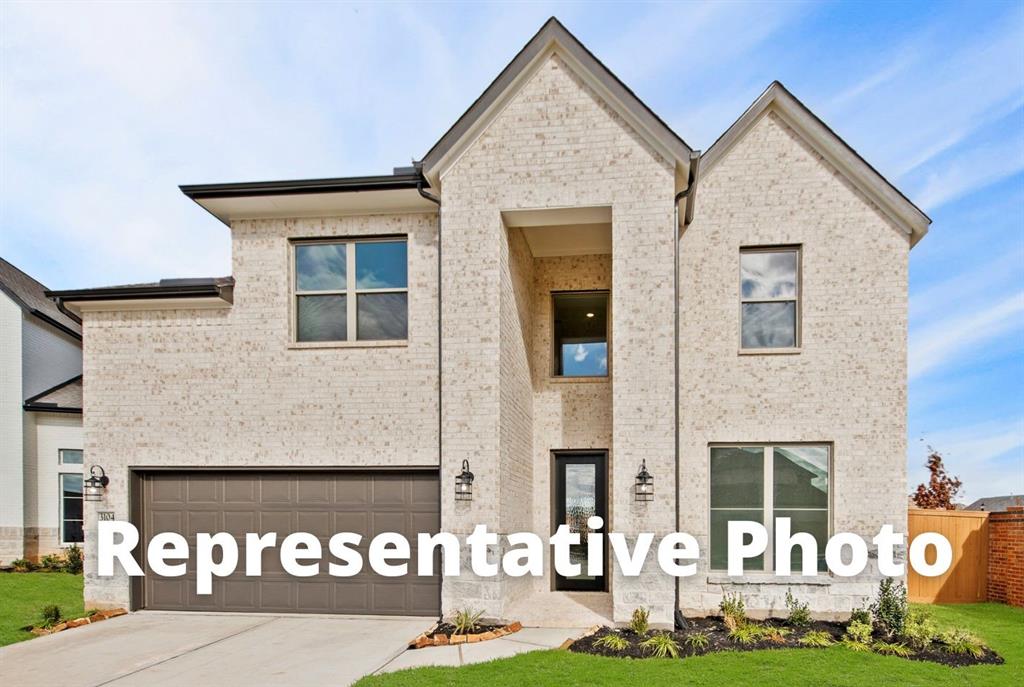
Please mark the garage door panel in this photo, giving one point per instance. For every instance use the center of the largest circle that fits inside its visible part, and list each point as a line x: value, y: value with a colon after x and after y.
x: 321, y: 503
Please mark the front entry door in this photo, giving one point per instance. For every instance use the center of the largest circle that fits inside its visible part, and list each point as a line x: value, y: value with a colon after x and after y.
x: 580, y: 492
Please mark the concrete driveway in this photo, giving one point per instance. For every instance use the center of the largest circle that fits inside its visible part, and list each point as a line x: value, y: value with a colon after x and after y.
x: 152, y: 648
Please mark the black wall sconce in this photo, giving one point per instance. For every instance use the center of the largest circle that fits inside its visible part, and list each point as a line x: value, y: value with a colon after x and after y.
x: 93, y: 488
x: 643, y: 490
x: 464, y: 483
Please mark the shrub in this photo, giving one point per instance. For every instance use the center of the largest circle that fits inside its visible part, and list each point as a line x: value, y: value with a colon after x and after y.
x: 960, y: 641
x: 734, y: 611
x: 698, y: 640
x: 854, y: 645
x: 661, y: 645
x: 860, y: 615
x: 919, y: 629
x: 613, y: 641
x: 73, y: 559
x: 640, y: 622
x: 799, y: 613
x: 51, y: 615
x: 745, y: 634
x: 23, y: 565
x: 890, y: 608
x: 816, y: 638
x: 466, y: 620
x: 892, y: 649
x: 774, y: 634
x: 51, y: 563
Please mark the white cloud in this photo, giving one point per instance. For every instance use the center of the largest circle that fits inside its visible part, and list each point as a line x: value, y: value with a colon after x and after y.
x: 945, y: 340
x: 581, y: 353
x: 987, y: 457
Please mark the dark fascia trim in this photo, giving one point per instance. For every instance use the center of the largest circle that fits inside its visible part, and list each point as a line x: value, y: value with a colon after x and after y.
x: 247, y: 189
x: 160, y: 291
x: 54, y: 323
x: 32, y: 404
x: 551, y: 30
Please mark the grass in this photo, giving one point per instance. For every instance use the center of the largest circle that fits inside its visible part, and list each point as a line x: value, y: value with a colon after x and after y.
x: 23, y: 595
x: 1000, y: 627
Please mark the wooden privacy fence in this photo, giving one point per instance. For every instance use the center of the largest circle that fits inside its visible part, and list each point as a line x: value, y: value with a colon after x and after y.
x: 966, y: 581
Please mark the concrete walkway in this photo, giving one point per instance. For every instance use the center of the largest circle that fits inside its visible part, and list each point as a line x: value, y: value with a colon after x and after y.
x: 527, y: 639
x: 228, y: 650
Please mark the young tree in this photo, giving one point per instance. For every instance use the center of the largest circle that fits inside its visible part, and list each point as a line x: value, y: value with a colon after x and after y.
x: 941, y: 489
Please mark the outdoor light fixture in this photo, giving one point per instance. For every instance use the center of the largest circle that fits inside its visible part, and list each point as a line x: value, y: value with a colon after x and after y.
x: 464, y: 483
x: 643, y: 490
x: 590, y: 314
x: 92, y: 488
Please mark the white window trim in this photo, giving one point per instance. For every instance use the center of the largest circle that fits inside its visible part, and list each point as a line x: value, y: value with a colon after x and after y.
x: 60, y: 456
x: 350, y: 291
x: 60, y: 509
x: 796, y: 299
x: 768, y: 500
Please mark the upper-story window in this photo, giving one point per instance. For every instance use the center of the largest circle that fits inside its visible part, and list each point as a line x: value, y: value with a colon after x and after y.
x: 580, y: 334
x: 70, y: 456
x: 351, y: 290
x: 769, y: 297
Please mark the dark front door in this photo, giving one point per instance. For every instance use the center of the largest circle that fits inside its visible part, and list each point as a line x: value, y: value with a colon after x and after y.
x: 580, y: 492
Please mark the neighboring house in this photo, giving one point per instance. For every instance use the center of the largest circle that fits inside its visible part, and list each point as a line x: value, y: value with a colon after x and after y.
x: 368, y: 344
x: 40, y: 421
x: 996, y: 504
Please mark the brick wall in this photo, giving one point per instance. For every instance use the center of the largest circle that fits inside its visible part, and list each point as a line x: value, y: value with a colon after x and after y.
x: 1006, y: 556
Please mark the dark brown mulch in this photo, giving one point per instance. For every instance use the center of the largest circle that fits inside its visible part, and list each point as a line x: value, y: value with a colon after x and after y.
x: 718, y: 640
x: 449, y: 629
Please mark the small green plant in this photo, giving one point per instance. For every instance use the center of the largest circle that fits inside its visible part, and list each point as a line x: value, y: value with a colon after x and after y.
x: 892, y: 649
x: 734, y: 611
x: 774, y: 634
x: 919, y: 630
x: 745, y: 634
x: 860, y: 615
x: 961, y: 642
x: 858, y: 636
x: 466, y: 620
x: 51, y: 563
x: 697, y: 641
x: 52, y: 615
x: 661, y: 645
x: 799, y: 613
x: 612, y: 641
x: 889, y: 610
x: 816, y: 638
x: 640, y: 622
x: 23, y: 565
x: 73, y: 559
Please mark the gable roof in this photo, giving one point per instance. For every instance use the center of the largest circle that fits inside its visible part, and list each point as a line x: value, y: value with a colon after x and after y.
x: 66, y: 397
x: 829, y: 145
x: 30, y: 295
x: 553, y: 37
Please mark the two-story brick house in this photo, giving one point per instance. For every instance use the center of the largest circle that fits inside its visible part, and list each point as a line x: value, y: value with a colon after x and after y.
x: 560, y: 292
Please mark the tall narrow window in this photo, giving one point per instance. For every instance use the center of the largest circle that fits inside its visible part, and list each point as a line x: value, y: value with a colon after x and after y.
x: 761, y: 483
x: 351, y: 290
x: 581, y: 334
x: 71, y: 509
x: 769, y: 297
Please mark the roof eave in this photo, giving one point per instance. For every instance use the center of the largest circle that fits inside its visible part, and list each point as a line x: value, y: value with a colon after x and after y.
x: 145, y: 297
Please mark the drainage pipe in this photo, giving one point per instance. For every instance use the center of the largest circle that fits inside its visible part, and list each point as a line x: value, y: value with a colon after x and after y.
x: 440, y: 492
x: 691, y: 185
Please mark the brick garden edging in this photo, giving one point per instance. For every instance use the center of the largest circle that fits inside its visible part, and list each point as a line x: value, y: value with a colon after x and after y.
x: 79, y: 622
x: 440, y: 639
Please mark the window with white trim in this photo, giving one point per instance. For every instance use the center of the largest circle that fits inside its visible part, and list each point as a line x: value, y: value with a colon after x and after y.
x: 71, y: 508
x: 350, y: 290
x: 761, y: 483
x: 69, y: 456
x: 769, y: 298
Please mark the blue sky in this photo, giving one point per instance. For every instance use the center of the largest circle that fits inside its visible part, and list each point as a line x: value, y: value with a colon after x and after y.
x: 105, y: 109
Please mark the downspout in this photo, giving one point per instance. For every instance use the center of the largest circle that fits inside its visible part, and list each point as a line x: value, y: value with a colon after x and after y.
x: 440, y: 493
x: 691, y: 184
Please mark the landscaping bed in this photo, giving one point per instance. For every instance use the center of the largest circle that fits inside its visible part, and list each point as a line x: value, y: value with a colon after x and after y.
x: 464, y: 627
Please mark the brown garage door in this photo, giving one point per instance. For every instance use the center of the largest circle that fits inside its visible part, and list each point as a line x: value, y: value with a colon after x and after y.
x: 321, y: 503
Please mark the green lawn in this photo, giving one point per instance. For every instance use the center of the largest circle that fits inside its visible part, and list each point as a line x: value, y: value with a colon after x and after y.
x: 23, y: 595
x: 1002, y: 628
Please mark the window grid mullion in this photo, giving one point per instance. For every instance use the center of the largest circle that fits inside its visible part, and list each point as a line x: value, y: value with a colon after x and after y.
x: 769, y: 506
x: 350, y: 285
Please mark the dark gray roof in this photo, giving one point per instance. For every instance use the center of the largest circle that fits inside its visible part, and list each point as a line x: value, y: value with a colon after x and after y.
x: 66, y: 397
x: 165, y: 288
x: 995, y: 504
x: 31, y: 296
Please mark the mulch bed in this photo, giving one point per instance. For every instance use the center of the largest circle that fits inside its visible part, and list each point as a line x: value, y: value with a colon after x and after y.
x: 444, y: 634
x: 77, y: 622
x: 719, y: 640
